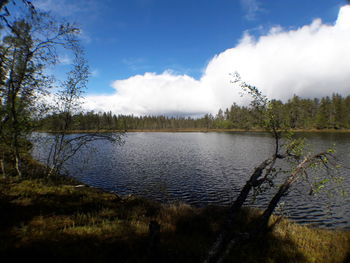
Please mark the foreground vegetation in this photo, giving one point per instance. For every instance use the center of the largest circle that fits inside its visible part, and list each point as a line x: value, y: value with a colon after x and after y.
x: 60, y: 219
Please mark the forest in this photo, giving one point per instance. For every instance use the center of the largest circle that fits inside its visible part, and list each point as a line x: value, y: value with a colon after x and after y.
x: 331, y: 112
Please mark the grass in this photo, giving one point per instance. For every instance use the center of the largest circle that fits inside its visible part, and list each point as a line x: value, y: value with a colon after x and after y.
x: 55, y: 220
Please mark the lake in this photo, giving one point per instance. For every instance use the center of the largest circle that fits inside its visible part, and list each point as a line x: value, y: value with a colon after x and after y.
x: 207, y: 168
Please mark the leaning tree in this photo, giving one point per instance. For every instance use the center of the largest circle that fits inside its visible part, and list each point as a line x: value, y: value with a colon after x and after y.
x: 287, y: 148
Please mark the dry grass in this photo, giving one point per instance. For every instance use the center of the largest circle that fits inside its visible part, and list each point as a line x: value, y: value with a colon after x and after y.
x: 44, y: 220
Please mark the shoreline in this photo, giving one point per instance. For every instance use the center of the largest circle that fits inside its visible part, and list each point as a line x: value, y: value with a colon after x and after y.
x: 190, y: 130
x: 77, y: 222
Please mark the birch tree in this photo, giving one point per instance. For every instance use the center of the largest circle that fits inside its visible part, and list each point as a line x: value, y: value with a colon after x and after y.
x: 287, y: 148
x: 29, y: 45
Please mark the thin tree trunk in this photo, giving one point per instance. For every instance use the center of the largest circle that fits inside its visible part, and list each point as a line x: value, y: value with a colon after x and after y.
x: 283, y: 189
x: 15, y: 132
x: 253, y: 181
x: 15, y: 135
x: 17, y: 160
x: 2, y: 163
x: 227, y: 235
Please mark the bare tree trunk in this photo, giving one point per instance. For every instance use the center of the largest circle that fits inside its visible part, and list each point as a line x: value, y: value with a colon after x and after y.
x: 15, y: 143
x: 17, y: 166
x: 16, y: 148
x: 283, y: 189
x: 17, y: 159
x: 2, y: 163
x: 253, y: 181
x: 226, y: 235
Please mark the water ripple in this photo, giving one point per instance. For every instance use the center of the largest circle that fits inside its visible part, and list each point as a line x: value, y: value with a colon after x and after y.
x: 204, y: 168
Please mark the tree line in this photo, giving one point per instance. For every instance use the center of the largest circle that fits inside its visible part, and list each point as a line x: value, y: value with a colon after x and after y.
x: 330, y: 112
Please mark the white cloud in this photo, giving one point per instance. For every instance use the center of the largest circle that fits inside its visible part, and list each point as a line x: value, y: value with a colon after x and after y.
x: 150, y: 93
x: 311, y: 61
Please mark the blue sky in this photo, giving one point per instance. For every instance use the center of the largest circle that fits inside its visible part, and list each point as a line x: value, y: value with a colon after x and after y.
x: 127, y: 38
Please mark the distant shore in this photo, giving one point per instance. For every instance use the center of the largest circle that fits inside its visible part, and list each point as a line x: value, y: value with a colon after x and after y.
x: 197, y: 130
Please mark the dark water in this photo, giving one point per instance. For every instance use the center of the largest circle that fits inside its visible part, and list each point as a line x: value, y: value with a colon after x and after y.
x: 207, y: 168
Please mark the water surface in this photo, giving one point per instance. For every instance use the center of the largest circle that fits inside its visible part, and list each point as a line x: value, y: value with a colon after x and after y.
x: 206, y: 168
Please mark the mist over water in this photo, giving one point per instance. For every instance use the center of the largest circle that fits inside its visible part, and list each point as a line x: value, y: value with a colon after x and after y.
x: 206, y: 168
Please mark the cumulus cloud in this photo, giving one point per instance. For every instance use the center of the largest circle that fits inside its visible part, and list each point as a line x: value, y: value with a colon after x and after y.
x: 153, y: 94
x: 311, y: 61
